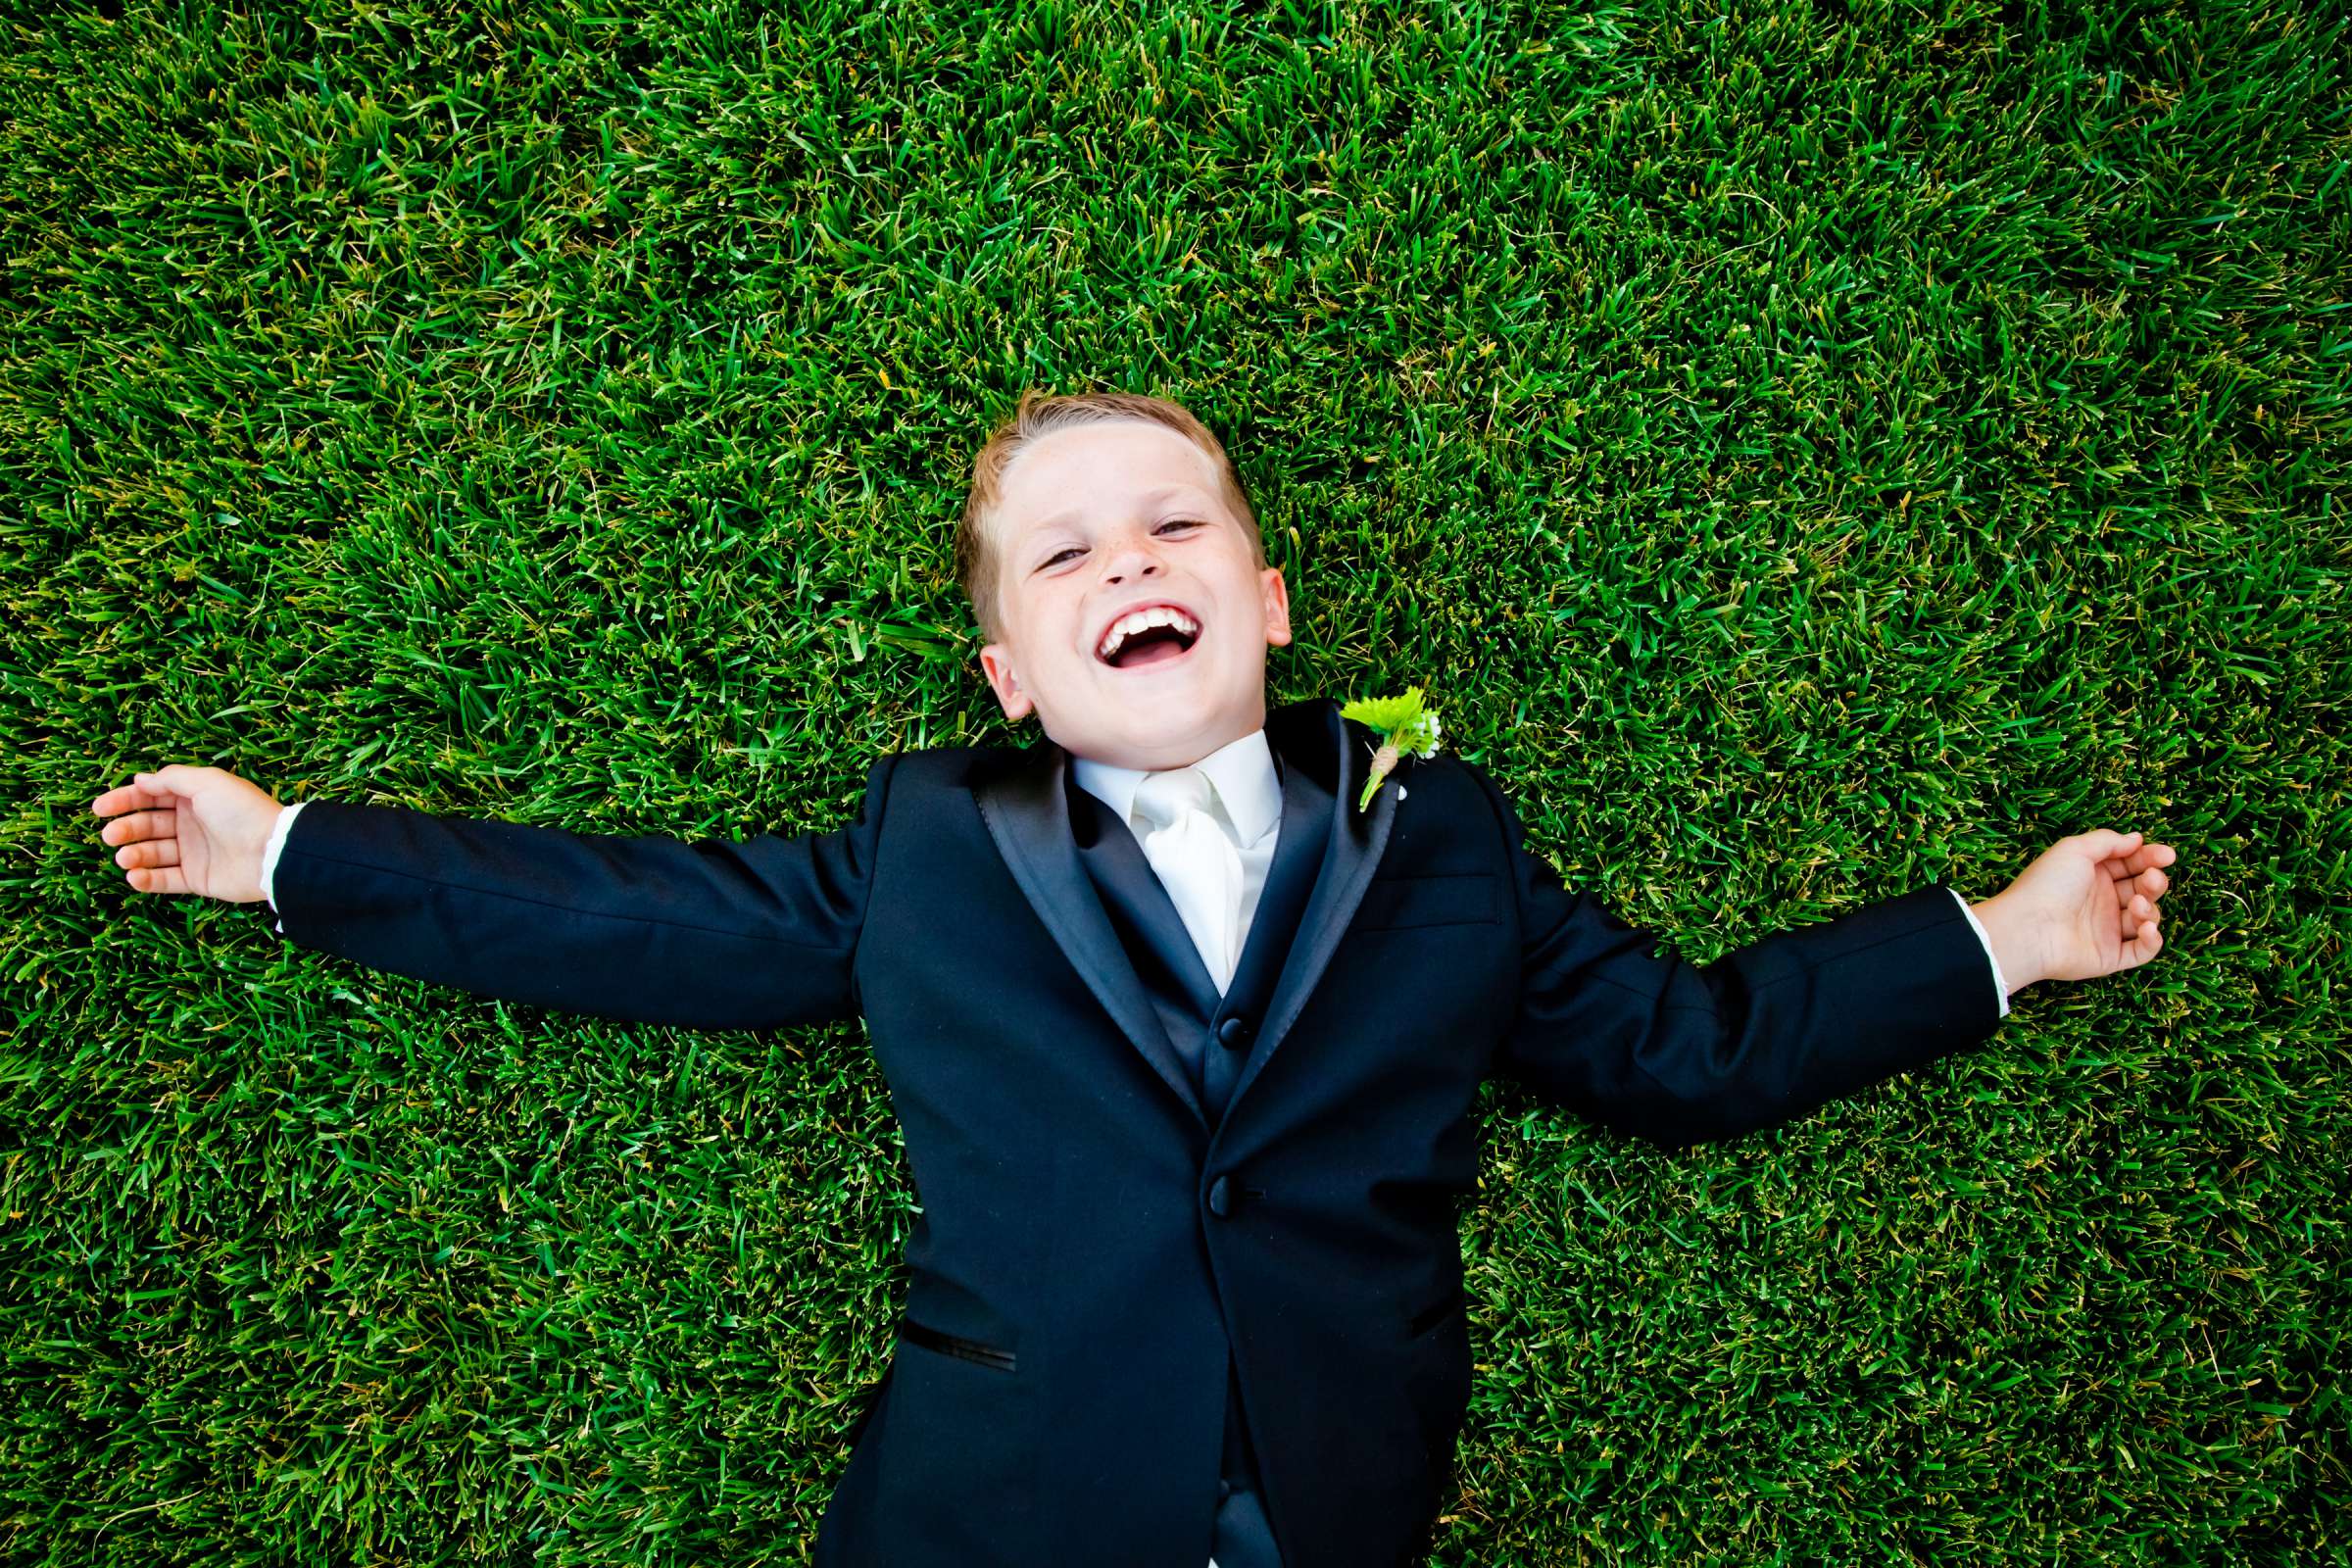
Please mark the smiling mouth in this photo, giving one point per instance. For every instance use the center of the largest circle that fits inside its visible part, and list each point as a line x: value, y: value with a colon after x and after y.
x: 1149, y: 653
x: 1151, y: 647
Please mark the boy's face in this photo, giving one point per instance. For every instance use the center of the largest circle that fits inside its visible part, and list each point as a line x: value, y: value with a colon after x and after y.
x: 1104, y: 519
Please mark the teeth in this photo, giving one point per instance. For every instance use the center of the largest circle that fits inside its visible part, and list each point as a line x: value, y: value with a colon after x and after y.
x: 1129, y: 624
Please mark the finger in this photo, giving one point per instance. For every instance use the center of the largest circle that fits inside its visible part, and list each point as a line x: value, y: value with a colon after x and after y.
x: 129, y: 797
x: 166, y: 879
x: 142, y: 826
x: 2144, y: 946
x: 153, y: 853
x: 2141, y: 858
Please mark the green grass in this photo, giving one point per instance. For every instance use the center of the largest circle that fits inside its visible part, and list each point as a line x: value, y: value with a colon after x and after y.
x: 1810, y: 449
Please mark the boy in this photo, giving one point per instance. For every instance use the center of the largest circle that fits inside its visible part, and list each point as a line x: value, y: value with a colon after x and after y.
x: 1187, y: 1286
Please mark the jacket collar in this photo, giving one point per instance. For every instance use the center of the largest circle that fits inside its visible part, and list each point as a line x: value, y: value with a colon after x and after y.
x: 1027, y: 813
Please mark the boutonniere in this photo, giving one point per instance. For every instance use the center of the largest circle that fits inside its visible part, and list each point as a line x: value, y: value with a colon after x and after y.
x: 1410, y: 730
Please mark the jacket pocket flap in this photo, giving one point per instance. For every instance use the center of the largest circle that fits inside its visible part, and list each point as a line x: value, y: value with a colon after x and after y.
x: 1451, y: 897
x: 1437, y: 1311
x: 956, y: 1345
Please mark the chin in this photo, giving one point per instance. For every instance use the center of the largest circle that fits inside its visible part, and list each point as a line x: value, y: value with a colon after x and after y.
x: 1177, y: 715
x: 1151, y: 715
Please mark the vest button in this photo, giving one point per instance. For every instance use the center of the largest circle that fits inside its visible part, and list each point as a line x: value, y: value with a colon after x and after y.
x: 1234, y: 1033
x: 1220, y: 1199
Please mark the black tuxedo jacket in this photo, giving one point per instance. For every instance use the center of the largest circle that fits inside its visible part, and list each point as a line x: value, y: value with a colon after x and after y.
x: 1092, y: 1245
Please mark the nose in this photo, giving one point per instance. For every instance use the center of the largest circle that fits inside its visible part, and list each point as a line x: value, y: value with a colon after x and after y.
x: 1133, y: 558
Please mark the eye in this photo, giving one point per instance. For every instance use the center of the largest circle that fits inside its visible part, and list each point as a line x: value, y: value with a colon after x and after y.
x: 1172, y: 522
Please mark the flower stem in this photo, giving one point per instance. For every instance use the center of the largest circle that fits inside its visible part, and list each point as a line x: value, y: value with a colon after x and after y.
x: 1383, y: 762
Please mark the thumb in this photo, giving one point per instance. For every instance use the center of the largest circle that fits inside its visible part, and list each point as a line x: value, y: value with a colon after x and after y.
x: 2105, y: 843
x: 178, y: 777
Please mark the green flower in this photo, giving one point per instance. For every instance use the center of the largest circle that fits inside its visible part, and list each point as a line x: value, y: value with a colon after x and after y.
x: 1409, y: 730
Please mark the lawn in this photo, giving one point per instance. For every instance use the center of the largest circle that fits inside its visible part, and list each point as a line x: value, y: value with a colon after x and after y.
x: 1810, y: 449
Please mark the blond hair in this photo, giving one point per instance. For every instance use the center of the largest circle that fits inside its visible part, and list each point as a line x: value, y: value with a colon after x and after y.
x: 1039, y: 414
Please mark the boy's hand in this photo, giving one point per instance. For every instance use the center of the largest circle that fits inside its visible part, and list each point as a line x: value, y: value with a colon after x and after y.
x: 191, y: 830
x: 2086, y: 908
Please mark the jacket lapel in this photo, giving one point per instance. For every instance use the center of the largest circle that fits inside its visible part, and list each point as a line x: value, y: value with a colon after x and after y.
x: 1331, y: 756
x: 1027, y: 814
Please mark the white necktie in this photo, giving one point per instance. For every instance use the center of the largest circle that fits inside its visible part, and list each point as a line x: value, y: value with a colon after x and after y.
x: 1196, y: 861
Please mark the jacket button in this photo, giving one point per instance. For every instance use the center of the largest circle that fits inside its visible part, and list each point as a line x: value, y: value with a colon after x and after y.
x: 1220, y: 1199
x: 1234, y: 1033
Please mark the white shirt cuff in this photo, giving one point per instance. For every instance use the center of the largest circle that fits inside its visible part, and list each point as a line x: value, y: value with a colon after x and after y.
x: 269, y: 854
x: 1999, y: 985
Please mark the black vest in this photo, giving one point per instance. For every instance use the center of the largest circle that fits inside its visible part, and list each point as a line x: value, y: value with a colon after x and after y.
x: 1212, y: 1034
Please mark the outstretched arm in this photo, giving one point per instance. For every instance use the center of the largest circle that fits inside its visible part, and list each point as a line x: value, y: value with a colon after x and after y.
x: 656, y: 930
x: 1681, y: 1053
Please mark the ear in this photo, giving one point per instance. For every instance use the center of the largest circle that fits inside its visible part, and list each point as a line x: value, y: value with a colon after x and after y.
x: 1278, y: 606
x: 996, y: 663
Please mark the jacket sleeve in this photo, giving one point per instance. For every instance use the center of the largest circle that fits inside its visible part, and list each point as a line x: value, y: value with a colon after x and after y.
x: 1681, y: 1053
x: 709, y: 934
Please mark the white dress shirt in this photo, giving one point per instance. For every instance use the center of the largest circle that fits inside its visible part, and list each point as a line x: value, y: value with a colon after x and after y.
x: 1248, y: 805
